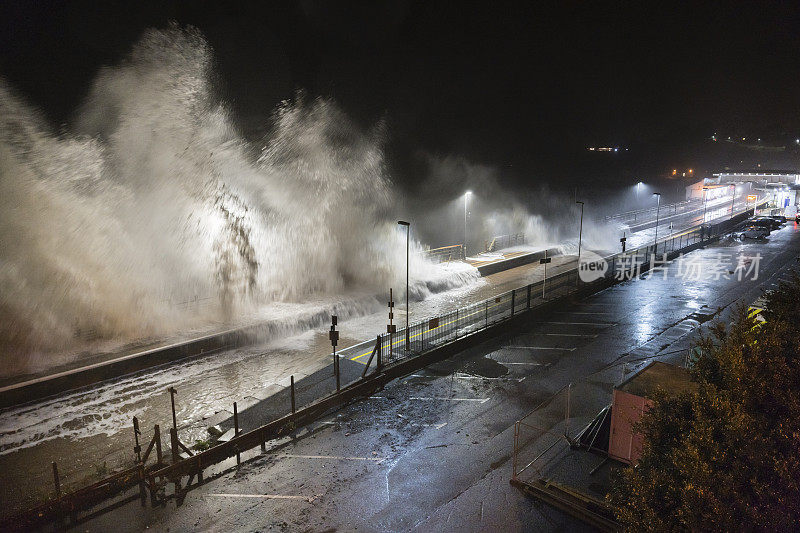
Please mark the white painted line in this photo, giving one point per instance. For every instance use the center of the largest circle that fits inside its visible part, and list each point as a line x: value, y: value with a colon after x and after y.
x: 332, y: 457
x: 458, y: 375
x: 480, y: 400
x: 532, y: 364
x: 542, y: 348
x: 265, y: 496
x: 435, y: 426
x: 588, y: 335
x: 583, y: 312
x: 583, y: 323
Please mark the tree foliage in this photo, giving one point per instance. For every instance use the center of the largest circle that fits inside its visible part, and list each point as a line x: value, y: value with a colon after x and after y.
x: 726, y: 457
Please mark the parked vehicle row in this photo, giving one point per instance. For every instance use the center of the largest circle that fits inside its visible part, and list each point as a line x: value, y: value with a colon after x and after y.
x: 761, y: 226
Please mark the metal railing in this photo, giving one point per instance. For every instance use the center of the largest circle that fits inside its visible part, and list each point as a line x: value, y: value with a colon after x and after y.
x: 639, y: 213
x: 437, y: 331
x: 445, y: 254
x: 505, y: 241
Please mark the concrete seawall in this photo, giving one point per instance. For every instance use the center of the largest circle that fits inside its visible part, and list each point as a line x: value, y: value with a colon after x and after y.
x: 506, y: 264
x: 80, y: 377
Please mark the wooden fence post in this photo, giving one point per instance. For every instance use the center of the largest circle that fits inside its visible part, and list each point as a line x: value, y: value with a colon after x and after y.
x: 173, y: 434
x: 236, y: 431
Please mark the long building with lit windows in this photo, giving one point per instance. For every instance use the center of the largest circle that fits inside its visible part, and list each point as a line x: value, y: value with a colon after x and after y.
x: 779, y: 186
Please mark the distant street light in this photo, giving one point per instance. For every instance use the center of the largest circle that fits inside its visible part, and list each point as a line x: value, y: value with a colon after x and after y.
x: 658, y: 209
x: 580, y: 239
x: 408, y: 230
x: 733, y: 200
x: 638, y: 188
x: 466, y: 197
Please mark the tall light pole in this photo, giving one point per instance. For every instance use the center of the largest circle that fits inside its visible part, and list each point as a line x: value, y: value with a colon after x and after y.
x: 705, y: 201
x: 638, y: 186
x: 580, y: 239
x: 466, y: 197
x: 408, y: 231
x: 658, y: 209
x: 733, y: 200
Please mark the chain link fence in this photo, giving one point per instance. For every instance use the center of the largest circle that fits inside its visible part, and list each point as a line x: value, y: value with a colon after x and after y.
x: 558, y: 422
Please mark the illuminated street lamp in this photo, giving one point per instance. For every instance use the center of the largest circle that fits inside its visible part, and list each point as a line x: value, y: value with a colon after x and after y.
x: 408, y: 230
x: 658, y: 209
x: 733, y: 200
x: 638, y: 188
x: 580, y: 238
x: 705, y: 202
x: 466, y: 197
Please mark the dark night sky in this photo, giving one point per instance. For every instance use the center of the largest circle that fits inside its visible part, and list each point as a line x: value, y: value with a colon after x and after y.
x: 507, y: 84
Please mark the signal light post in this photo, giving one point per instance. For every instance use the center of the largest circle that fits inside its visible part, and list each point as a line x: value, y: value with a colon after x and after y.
x: 658, y: 209
x: 334, y: 337
x: 544, y: 261
x: 580, y: 240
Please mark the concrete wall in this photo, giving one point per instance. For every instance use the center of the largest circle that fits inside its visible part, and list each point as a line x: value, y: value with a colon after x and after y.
x: 625, y: 444
x: 499, y: 266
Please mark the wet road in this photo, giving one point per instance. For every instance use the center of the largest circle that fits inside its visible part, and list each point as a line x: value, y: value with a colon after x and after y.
x: 89, y: 432
x: 432, y: 451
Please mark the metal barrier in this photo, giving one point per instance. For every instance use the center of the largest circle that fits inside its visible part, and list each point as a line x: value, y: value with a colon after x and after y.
x: 557, y: 422
x: 445, y: 254
x: 438, y: 331
x: 505, y: 241
x: 544, y: 464
x: 638, y: 213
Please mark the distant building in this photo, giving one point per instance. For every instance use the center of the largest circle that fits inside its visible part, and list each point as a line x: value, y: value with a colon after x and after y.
x: 762, y: 177
x: 779, y: 186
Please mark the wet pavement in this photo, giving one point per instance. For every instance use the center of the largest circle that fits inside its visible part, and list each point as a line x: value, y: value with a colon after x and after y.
x: 88, y: 433
x: 432, y: 451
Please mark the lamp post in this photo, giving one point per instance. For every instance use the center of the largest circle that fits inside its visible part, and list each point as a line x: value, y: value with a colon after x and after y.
x: 580, y: 239
x: 638, y: 187
x: 466, y: 197
x: 408, y: 231
x: 733, y: 200
x: 658, y: 209
x: 705, y: 201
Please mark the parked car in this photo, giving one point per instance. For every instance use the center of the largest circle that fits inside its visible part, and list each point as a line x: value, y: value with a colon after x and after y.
x: 755, y: 232
x: 765, y: 222
x: 779, y: 218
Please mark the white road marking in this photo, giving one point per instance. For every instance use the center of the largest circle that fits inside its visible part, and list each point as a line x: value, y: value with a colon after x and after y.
x: 436, y: 426
x: 532, y: 364
x: 583, y: 323
x: 265, y: 496
x: 542, y: 348
x: 332, y: 457
x: 568, y: 335
x: 459, y: 375
x: 480, y: 400
x: 583, y: 312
